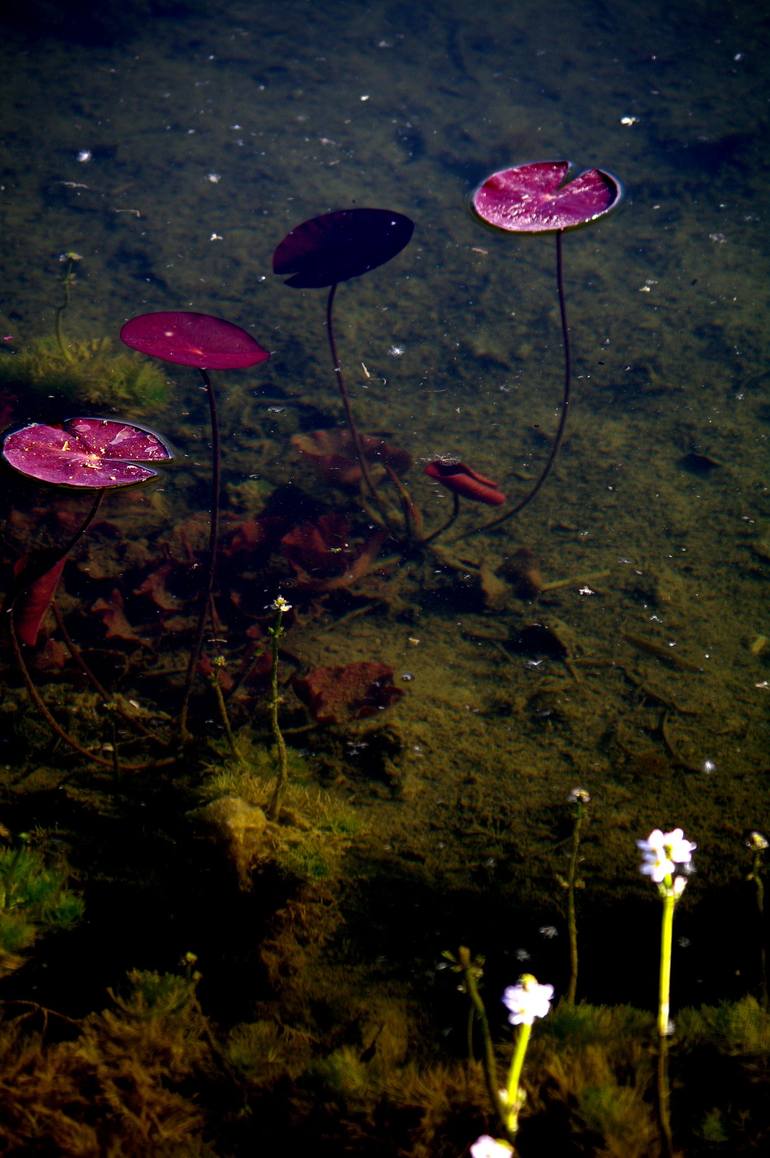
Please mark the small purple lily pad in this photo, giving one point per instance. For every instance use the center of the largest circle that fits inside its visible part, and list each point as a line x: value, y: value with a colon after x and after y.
x: 537, y: 197
x: 190, y: 339
x: 85, y: 452
x: 337, y: 246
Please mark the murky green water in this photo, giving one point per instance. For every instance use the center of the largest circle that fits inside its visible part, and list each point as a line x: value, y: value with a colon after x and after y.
x: 611, y: 636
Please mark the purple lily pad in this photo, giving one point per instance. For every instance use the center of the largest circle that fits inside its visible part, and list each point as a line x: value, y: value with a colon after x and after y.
x: 337, y: 246
x: 85, y: 452
x: 537, y: 197
x: 190, y: 339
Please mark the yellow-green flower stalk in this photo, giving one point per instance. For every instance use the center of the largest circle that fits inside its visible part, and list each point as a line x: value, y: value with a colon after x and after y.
x: 525, y: 1002
x: 667, y: 860
x: 758, y: 843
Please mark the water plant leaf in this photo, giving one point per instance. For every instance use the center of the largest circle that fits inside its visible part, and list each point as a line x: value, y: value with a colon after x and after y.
x: 333, y: 453
x: 190, y: 339
x: 463, y: 480
x: 538, y: 197
x: 31, y: 605
x: 334, y: 247
x: 85, y: 452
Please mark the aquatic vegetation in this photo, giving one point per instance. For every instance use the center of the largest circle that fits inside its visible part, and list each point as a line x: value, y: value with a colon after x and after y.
x: 758, y: 844
x: 332, y: 248
x: 463, y: 480
x: 526, y: 1001
x: 208, y: 343
x: 540, y: 197
x: 666, y: 859
x: 83, y: 453
x: 93, y: 373
x: 34, y: 900
x: 336, y: 695
x: 276, y: 632
x: 580, y: 798
x: 117, y: 1081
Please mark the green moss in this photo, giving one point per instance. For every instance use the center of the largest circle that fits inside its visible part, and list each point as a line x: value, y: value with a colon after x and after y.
x: 117, y: 1085
x: 33, y: 900
x: 90, y: 371
x: 736, y: 1028
x: 264, y: 1052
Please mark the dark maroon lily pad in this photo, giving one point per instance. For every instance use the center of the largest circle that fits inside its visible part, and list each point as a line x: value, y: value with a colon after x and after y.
x: 190, y: 339
x: 537, y: 197
x: 337, y: 246
x: 85, y: 452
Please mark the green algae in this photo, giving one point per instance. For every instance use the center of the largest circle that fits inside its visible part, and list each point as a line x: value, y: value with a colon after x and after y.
x: 91, y: 372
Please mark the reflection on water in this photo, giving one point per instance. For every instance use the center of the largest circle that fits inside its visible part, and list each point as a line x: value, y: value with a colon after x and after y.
x: 613, y: 635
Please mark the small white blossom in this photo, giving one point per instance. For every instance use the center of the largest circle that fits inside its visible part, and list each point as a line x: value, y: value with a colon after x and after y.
x: 756, y: 841
x: 527, y: 1000
x: 664, y: 853
x: 280, y: 604
x: 486, y: 1147
x: 579, y: 796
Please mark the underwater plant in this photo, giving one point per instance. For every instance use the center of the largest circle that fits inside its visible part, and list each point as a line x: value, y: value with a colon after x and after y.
x: 33, y: 900
x: 539, y: 198
x: 207, y: 343
x: 276, y: 632
x: 526, y: 1001
x: 758, y: 844
x: 580, y: 798
x: 98, y: 454
x: 87, y: 370
x: 332, y: 248
x: 666, y: 860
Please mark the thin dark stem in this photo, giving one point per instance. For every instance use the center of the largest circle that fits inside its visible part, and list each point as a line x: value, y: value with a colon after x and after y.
x: 211, y: 559
x: 446, y: 525
x: 664, y: 1100
x: 354, y: 434
x: 557, y: 441
x: 53, y: 724
x: 47, y: 559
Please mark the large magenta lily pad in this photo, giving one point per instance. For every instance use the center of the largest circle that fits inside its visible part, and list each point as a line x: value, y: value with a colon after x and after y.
x: 85, y: 452
x: 190, y: 339
x: 537, y: 197
x: 337, y: 246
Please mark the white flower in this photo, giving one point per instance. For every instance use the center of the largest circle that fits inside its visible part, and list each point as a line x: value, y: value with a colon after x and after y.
x: 665, y: 852
x: 527, y: 1000
x: 280, y: 604
x: 486, y: 1147
x: 579, y: 796
x: 757, y: 841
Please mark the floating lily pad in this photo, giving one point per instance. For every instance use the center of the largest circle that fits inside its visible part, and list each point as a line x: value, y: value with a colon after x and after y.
x: 337, y: 246
x: 85, y: 452
x: 537, y: 197
x: 190, y: 339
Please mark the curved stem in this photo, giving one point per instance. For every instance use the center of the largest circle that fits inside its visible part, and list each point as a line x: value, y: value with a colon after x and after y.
x: 53, y: 724
x: 67, y: 281
x: 446, y: 525
x: 47, y: 558
x: 354, y: 434
x: 211, y: 560
x: 557, y: 441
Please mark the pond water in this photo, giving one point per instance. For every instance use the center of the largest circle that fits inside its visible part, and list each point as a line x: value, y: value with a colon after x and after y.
x: 613, y: 635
